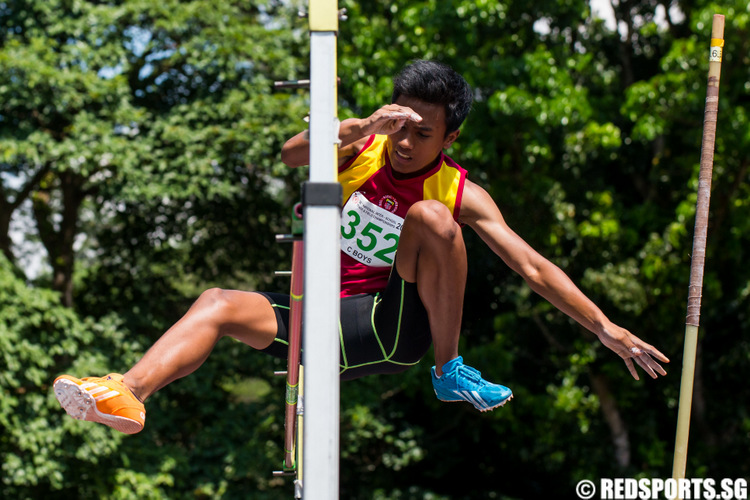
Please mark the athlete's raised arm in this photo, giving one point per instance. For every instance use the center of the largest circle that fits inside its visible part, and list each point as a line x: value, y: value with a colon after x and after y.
x: 353, y: 133
x: 479, y: 211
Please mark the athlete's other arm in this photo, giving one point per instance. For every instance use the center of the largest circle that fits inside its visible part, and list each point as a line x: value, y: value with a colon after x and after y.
x: 353, y: 134
x: 480, y: 212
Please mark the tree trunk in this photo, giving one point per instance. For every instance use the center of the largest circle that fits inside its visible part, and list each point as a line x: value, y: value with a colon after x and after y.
x: 6, y: 211
x: 8, y: 207
x: 620, y: 438
x: 625, y: 43
x: 59, y: 239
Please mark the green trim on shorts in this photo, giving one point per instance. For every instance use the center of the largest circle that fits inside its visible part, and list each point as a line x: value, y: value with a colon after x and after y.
x: 276, y: 339
x: 386, y: 357
x: 281, y: 341
x: 343, y: 349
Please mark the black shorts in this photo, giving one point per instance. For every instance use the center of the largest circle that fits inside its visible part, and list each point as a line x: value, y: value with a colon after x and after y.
x: 386, y: 332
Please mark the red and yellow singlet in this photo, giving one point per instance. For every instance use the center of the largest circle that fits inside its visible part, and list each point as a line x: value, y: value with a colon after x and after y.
x: 375, y: 208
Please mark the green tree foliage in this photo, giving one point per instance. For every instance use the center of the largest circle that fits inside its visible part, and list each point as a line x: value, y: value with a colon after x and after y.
x: 147, y: 136
x: 134, y: 110
x: 42, y: 452
x: 589, y: 141
x: 144, y: 140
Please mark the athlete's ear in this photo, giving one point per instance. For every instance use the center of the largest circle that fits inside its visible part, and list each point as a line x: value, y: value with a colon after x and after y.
x: 450, y: 139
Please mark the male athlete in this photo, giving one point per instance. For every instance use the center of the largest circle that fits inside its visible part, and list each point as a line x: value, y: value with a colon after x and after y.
x: 403, y: 269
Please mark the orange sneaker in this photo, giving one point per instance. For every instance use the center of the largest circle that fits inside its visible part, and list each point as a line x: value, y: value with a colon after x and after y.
x: 105, y: 400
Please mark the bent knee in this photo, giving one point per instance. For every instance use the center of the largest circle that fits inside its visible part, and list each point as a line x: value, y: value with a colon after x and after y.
x: 246, y: 316
x: 213, y: 296
x: 434, y: 216
x: 222, y: 303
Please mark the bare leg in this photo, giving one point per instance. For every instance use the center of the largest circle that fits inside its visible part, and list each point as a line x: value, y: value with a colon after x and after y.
x: 431, y: 252
x: 245, y: 316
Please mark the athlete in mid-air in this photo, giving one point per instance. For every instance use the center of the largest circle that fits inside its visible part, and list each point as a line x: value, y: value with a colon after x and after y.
x: 403, y: 267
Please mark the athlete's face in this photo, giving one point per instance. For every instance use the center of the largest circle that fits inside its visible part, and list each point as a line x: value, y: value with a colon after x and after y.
x: 417, y: 145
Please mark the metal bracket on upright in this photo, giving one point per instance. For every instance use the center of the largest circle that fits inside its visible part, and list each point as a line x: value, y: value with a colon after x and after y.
x: 322, y: 194
x: 298, y: 227
x: 296, y: 84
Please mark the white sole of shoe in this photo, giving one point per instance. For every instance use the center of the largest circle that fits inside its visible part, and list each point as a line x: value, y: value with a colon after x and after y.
x: 489, y: 408
x: 497, y: 405
x: 81, y: 405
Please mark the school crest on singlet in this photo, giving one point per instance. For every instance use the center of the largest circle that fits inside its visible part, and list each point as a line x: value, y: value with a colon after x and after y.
x: 369, y: 232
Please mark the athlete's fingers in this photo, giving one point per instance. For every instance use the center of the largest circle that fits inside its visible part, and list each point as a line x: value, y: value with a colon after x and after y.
x: 657, y: 367
x: 646, y: 362
x: 650, y: 366
x: 410, y: 116
x: 404, y: 115
x: 400, y: 112
x: 631, y: 368
x: 653, y: 351
x: 645, y: 366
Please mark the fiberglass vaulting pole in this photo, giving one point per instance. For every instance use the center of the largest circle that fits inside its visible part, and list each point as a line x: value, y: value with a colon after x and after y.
x: 321, y: 199
x: 699, y: 247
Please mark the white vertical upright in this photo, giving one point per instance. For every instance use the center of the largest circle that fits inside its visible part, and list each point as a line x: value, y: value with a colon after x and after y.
x: 322, y: 263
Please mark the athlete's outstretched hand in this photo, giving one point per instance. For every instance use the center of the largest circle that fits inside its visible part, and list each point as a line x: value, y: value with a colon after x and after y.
x: 389, y: 119
x: 630, y: 348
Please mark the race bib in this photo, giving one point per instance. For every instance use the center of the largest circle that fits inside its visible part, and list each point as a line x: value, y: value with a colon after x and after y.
x: 369, y: 233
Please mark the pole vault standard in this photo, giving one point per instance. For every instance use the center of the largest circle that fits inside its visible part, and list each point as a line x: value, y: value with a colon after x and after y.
x: 321, y: 199
x: 699, y: 247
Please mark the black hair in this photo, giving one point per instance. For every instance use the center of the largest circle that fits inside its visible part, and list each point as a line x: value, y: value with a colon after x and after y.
x: 436, y: 83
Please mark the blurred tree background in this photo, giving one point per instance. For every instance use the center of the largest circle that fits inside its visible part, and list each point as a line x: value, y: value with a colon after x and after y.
x: 139, y: 158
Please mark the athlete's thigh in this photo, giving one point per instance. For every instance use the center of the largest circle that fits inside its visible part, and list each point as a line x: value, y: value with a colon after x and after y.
x: 425, y: 221
x: 280, y: 305
x: 386, y: 333
x: 247, y: 317
x: 401, y: 320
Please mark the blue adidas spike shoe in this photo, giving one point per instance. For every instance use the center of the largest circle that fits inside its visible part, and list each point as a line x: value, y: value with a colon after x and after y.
x: 464, y: 383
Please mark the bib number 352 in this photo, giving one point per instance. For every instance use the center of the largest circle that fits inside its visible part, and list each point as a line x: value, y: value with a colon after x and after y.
x: 369, y: 234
